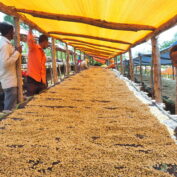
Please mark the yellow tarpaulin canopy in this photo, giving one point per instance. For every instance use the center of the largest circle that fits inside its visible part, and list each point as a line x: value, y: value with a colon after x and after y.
x: 152, y: 13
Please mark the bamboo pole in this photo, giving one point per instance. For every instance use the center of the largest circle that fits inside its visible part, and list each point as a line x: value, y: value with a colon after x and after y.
x: 54, y: 67
x: 131, y: 65
x: 18, y: 64
x: 157, y: 72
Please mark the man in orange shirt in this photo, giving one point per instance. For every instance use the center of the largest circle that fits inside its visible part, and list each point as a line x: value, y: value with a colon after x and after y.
x: 36, y: 71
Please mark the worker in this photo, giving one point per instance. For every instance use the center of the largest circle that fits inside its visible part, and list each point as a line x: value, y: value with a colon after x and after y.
x: 8, y: 75
x: 36, y: 69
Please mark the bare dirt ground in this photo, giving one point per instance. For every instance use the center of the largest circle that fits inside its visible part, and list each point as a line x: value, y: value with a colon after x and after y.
x: 89, y: 125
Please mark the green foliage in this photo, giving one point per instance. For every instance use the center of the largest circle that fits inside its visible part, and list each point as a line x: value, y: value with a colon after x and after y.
x: 10, y: 19
x: 48, y: 52
x: 167, y: 44
x: 95, y: 63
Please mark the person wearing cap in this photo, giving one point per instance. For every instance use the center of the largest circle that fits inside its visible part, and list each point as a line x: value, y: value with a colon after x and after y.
x: 8, y: 75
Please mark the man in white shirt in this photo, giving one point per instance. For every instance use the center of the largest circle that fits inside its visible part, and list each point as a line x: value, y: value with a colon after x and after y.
x: 8, y: 57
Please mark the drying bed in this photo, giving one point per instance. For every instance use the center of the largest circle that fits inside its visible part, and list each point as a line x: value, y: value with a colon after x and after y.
x: 89, y: 125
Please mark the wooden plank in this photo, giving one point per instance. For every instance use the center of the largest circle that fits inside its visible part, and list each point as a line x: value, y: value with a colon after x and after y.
x: 157, y: 70
x: 93, y: 44
x: 18, y: 64
x: 131, y: 69
x: 54, y: 66
x: 87, y: 20
x: 88, y: 36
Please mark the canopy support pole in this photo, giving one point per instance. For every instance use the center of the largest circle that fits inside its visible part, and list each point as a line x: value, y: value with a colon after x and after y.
x: 141, y: 73
x: 152, y: 78
x: 157, y: 70
x: 176, y: 92
x: 54, y: 67
x: 58, y: 67
x: 67, y: 61
x: 75, y: 61
x: 18, y: 64
x: 173, y: 72
x: 121, y: 64
x: 131, y: 66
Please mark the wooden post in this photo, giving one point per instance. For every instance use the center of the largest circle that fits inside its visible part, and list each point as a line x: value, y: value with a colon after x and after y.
x: 116, y: 63
x: 145, y: 70
x: 84, y: 56
x: 18, y: 64
x: 121, y: 64
x: 54, y: 62
x: 173, y: 72
x: 157, y: 70
x: 67, y: 60
x: 152, y: 77
x: 176, y: 93
x: 141, y: 73
x: 136, y: 71
x: 51, y: 74
x: 75, y: 61
x: 58, y: 67
x: 131, y: 65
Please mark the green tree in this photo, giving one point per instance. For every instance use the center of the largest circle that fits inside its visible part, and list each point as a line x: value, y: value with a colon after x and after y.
x: 10, y: 19
x: 167, y: 44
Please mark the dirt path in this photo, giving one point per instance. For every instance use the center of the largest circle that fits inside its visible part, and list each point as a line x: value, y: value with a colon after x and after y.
x: 89, y: 125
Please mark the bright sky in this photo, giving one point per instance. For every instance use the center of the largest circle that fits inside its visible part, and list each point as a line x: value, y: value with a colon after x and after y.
x: 145, y: 47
